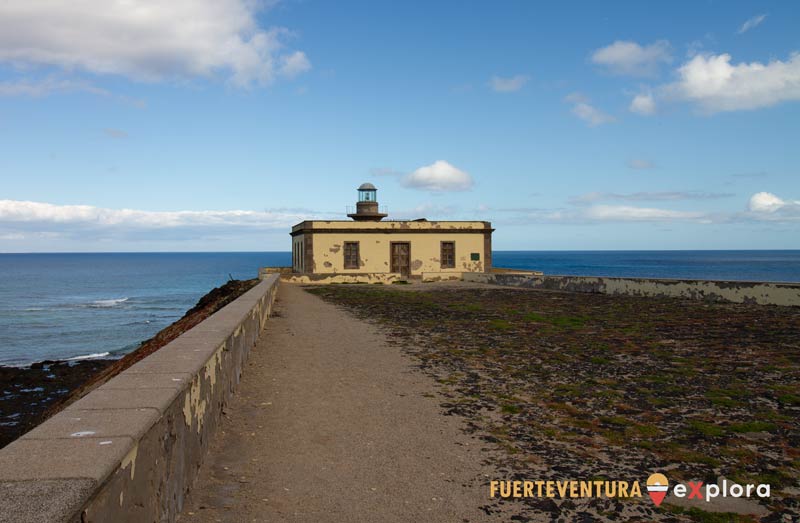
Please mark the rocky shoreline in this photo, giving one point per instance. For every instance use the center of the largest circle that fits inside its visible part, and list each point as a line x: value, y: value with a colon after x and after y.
x: 30, y: 395
x: 27, y: 392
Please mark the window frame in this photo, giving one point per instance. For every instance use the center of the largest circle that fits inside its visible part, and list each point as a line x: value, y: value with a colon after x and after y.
x: 357, y: 255
x: 452, y: 263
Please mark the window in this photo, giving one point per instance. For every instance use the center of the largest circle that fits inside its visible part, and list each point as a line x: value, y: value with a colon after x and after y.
x: 448, y: 256
x: 351, y: 255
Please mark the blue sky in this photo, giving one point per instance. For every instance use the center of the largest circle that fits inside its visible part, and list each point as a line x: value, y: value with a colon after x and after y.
x: 216, y: 124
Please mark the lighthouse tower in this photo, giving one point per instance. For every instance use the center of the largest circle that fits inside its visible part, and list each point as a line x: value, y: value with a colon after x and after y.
x: 367, y: 209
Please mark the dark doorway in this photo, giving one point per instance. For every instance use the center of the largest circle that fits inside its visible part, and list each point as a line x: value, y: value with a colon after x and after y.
x: 401, y: 258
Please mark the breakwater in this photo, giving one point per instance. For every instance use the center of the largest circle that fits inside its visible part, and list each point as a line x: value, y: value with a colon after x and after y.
x: 129, y: 450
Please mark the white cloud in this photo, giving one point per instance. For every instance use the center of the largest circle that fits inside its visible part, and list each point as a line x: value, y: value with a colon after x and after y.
x: 39, y: 87
x: 294, y: 64
x: 13, y: 236
x: 148, y: 40
x: 715, y: 85
x: 628, y: 213
x: 439, y: 176
x: 22, y: 218
x: 765, y: 202
x: 751, y: 23
x: 46, y: 86
x: 591, y: 115
x: 643, y: 104
x: 630, y: 58
x: 587, y: 112
x: 508, y: 85
x: 589, y: 208
x: 593, y: 197
x: 767, y: 206
x: 614, y: 213
x: 639, y: 164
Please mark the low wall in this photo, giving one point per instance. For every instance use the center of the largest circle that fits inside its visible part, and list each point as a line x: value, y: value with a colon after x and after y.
x: 323, y: 279
x: 763, y: 293
x: 129, y: 450
x: 434, y: 276
x: 502, y: 270
x: 263, y: 272
x: 442, y: 276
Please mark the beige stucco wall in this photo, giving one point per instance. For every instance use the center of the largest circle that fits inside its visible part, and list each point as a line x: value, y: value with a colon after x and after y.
x: 374, y: 250
x: 325, y: 239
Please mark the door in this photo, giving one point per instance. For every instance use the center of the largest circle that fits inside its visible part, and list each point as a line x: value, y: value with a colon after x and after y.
x: 401, y: 258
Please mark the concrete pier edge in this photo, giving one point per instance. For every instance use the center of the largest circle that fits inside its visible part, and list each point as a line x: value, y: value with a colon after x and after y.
x: 130, y: 450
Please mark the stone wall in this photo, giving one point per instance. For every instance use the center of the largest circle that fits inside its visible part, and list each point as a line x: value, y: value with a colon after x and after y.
x: 130, y: 450
x: 763, y: 293
x: 264, y: 272
x: 324, y: 279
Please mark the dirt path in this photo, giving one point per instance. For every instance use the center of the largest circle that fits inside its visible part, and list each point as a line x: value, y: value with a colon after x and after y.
x: 332, y: 423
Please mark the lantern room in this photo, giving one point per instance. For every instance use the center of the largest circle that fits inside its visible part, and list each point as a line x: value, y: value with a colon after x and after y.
x: 367, y: 209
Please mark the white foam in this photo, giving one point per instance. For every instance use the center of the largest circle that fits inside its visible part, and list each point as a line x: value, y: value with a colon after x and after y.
x: 108, y: 303
x: 96, y: 355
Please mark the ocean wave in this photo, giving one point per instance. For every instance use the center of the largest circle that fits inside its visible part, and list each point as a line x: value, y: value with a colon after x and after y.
x: 95, y: 356
x: 102, y: 304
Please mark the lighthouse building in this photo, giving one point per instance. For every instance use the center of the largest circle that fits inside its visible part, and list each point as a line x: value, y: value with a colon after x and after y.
x: 368, y: 244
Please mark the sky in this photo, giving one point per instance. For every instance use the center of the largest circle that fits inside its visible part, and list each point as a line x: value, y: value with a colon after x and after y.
x: 215, y: 125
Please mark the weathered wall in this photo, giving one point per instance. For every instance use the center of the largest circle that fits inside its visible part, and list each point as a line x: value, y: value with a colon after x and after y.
x: 442, y: 276
x: 264, y: 272
x: 129, y: 451
x: 763, y: 293
x: 375, y: 252
x: 323, y: 244
x: 324, y: 279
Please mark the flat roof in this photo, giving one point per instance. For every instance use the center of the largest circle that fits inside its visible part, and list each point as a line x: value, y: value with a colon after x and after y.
x: 392, y: 225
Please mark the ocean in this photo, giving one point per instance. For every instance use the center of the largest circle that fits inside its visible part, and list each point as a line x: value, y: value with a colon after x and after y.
x: 72, y: 306
x: 62, y: 306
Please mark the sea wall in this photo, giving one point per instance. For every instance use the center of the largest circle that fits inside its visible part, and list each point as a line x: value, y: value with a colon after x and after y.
x: 763, y: 293
x: 130, y: 450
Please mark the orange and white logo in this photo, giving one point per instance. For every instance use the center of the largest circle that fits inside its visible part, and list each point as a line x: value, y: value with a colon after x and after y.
x: 657, y: 486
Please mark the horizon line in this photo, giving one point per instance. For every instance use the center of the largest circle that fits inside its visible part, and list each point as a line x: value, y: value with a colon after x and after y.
x: 493, y: 250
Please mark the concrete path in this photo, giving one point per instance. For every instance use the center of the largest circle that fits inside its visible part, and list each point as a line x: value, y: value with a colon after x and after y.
x: 332, y: 423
